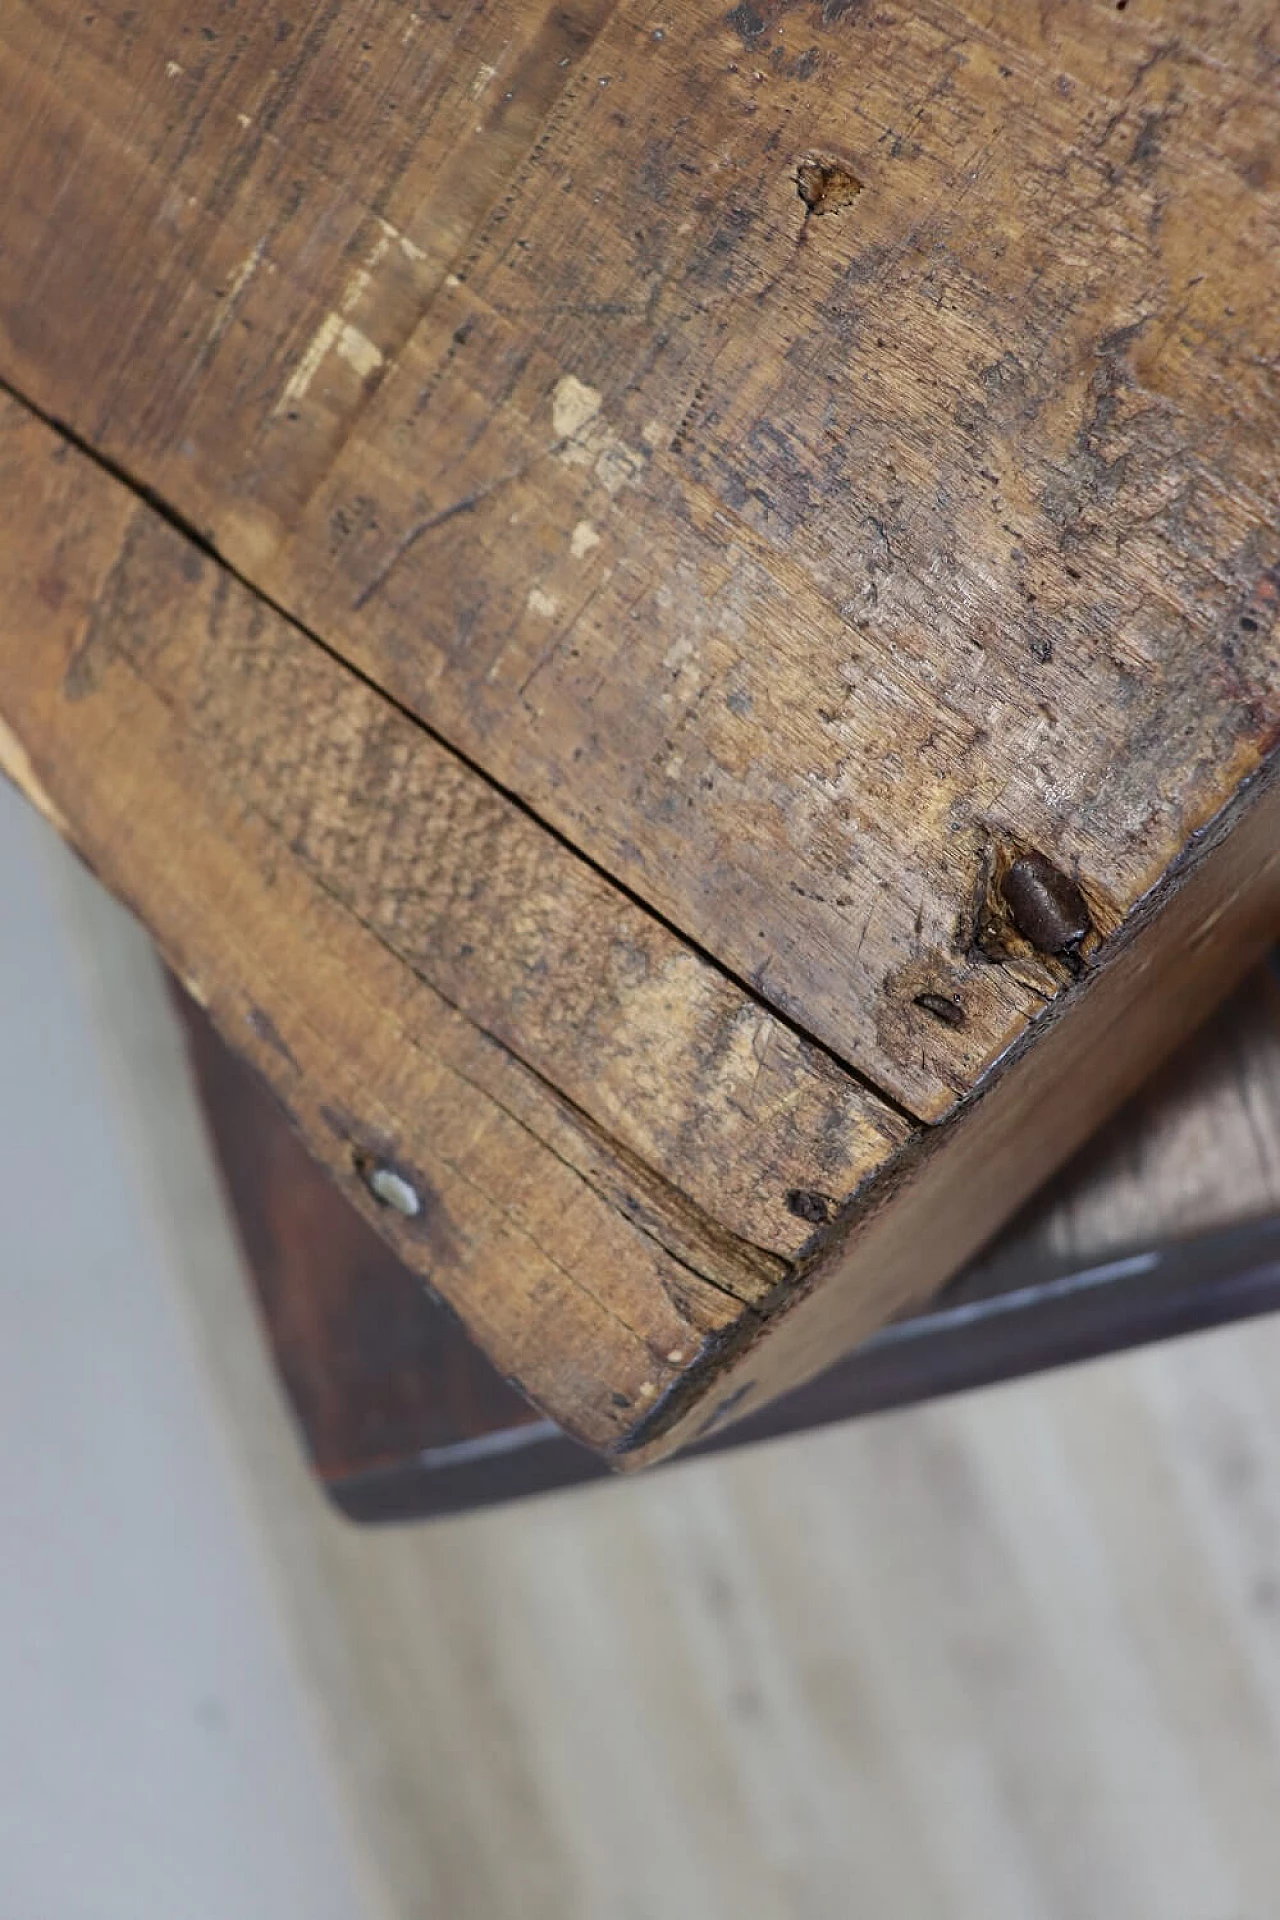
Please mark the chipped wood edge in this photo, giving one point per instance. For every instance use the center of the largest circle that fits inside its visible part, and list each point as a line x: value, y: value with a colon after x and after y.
x: 960, y: 1180
x: 1179, y: 952
x: 591, y: 1280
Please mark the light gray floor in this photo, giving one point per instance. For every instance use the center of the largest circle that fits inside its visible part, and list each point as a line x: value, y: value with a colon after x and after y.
x: 160, y: 1756
x: 1014, y: 1656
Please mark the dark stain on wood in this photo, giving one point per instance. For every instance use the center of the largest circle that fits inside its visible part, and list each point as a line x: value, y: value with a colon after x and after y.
x: 826, y: 186
x: 266, y: 1029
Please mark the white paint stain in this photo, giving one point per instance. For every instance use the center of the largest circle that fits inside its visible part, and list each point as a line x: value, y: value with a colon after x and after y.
x: 196, y: 989
x: 361, y: 279
x: 682, y: 661
x: 337, y: 334
x: 402, y: 240
x: 245, y: 271
x: 582, y: 539
x: 542, y: 603
x: 587, y: 441
x: 235, y: 287
x: 298, y: 385
x: 572, y: 404
x: 358, y: 350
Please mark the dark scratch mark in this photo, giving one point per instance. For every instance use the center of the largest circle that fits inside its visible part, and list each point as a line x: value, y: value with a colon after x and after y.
x: 558, y: 641
x: 411, y: 539
x: 266, y: 1029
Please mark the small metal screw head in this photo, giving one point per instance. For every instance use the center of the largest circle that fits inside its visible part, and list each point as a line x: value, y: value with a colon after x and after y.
x: 393, y: 1190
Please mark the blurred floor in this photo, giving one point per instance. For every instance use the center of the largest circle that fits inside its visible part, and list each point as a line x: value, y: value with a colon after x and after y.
x: 1012, y: 1655
x: 160, y: 1755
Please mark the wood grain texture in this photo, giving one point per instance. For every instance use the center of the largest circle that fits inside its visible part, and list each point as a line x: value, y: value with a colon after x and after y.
x: 936, y: 1204
x: 703, y: 499
x: 784, y: 560
x: 1168, y: 1223
x: 377, y: 1373
x: 128, y: 662
x: 669, y: 1059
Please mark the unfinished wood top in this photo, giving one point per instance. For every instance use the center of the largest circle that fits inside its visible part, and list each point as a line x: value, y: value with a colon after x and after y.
x: 611, y: 1147
x: 781, y: 556
x: 651, y: 518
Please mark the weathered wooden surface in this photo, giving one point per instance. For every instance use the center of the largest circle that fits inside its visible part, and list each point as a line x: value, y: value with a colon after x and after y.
x: 504, y: 351
x: 403, y: 1417
x: 803, y: 460
x: 193, y: 745
x: 939, y: 1199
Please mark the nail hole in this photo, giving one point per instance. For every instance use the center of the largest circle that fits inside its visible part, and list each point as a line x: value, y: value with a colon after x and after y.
x: 942, y: 1006
x: 816, y: 1208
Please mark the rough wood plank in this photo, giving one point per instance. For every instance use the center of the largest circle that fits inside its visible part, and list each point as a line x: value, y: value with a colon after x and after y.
x: 807, y: 459
x: 405, y: 1418
x: 144, y: 693
x: 787, y: 553
x: 669, y: 1060
x: 377, y: 1374
x: 935, y: 1207
x: 144, y: 689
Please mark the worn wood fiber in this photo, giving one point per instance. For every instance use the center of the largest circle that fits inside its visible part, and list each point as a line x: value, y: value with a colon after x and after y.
x: 1168, y: 1222
x: 208, y: 759
x: 779, y: 510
